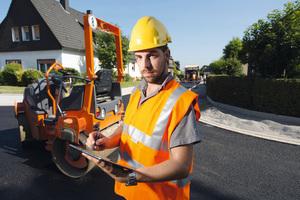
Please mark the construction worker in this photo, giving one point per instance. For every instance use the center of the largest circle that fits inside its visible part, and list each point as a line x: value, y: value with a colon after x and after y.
x: 194, y: 77
x: 159, y: 128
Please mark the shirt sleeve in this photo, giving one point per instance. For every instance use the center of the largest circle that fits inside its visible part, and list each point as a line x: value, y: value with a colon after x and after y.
x: 186, y: 131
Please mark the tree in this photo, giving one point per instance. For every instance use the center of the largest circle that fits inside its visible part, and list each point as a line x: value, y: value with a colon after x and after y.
x: 229, y: 64
x: 177, y: 64
x: 234, y: 67
x: 218, y: 67
x: 272, y: 46
x: 176, y: 69
x: 106, y: 50
x: 202, y: 70
x: 233, y: 48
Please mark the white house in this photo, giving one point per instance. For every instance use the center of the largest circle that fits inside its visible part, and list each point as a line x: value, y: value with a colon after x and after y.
x: 38, y: 33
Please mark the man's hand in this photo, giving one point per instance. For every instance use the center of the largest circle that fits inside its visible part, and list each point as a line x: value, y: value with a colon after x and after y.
x: 100, y: 144
x: 104, y: 142
x: 116, y: 173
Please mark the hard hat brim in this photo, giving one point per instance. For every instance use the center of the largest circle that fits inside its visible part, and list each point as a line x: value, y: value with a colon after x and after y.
x: 144, y: 47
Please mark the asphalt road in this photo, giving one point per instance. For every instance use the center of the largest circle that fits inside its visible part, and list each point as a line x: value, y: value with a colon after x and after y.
x: 230, y: 165
x: 227, y: 165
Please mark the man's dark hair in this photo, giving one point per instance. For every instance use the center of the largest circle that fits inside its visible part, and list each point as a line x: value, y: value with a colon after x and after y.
x: 164, y: 48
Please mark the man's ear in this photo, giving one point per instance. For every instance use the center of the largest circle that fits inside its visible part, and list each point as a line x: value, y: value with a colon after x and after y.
x: 168, y: 54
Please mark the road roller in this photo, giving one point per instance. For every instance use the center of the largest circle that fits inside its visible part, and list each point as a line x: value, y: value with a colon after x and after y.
x: 59, y: 113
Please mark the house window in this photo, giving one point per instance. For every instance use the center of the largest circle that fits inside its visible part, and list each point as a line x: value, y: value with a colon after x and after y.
x: 133, y: 66
x: 25, y: 33
x: 45, y: 64
x: 8, y: 62
x: 15, y: 34
x: 35, y: 32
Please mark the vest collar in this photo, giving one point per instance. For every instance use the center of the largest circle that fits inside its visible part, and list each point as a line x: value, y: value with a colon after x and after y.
x: 142, y: 86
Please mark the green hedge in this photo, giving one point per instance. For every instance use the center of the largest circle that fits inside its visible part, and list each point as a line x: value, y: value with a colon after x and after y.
x: 277, y: 96
x: 1, y: 79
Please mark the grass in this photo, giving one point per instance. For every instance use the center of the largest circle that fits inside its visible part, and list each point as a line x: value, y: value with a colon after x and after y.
x: 20, y: 90
x: 130, y: 84
x: 11, y: 89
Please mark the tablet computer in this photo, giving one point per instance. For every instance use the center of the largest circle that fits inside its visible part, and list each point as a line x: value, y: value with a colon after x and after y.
x: 102, y: 159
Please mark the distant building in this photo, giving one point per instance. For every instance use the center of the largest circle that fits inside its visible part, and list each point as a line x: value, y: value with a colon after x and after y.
x: 132, y: 69
x: 191, y: 72
x: 245, y: 69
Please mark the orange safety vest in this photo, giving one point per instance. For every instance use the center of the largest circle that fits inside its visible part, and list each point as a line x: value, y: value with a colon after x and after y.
x: 145, y: 139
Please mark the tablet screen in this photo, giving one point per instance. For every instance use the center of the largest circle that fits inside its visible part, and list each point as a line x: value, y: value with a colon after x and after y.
x: 102, y: 159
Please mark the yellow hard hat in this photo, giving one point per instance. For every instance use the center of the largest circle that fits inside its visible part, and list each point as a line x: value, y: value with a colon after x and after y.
x: 148, y: 33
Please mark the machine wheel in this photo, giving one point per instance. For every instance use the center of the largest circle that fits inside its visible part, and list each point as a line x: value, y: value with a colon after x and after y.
x: 25, y: 130
x: 70, y: 161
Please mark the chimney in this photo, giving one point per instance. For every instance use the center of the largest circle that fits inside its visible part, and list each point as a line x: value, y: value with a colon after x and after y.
x: 65, y: 4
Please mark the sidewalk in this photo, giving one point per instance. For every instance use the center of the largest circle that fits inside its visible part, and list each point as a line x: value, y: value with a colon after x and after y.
x: 9, y: 99
x: 263, y: 125
x: 277, y: 128
x: 258, y: 126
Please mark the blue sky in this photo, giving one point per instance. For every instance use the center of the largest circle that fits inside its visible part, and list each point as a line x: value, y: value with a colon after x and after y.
x: 200, y: 29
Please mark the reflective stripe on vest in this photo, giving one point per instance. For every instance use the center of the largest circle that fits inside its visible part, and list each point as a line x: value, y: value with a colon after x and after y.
x: 130, y: 161
x: 155, y: 141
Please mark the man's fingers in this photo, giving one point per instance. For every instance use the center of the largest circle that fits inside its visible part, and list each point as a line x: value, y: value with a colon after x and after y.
x: 99, y: 141
x: 96, y: 161
x: 100, y: 163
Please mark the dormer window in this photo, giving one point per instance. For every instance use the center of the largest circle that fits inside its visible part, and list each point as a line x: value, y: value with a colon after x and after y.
x: 35, y: 32
x: 25, y: 33
x: 15, y: 34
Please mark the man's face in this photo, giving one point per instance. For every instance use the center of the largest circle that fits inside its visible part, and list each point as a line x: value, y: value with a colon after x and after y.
x: 152, y: 64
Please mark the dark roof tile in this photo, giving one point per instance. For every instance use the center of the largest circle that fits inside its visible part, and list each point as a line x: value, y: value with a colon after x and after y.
x: 66, y: 26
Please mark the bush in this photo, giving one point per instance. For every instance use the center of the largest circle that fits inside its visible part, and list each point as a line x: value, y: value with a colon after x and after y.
x: 229, y: 66
x: 73, y: 80
x: 275, y: 96
x: 19, y: 77
x: 10, y: 76
x: 30, y: 75
x: 115, y: 75
x: 15, y: 67
x: 82, y: 75
x: 127, y: 78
